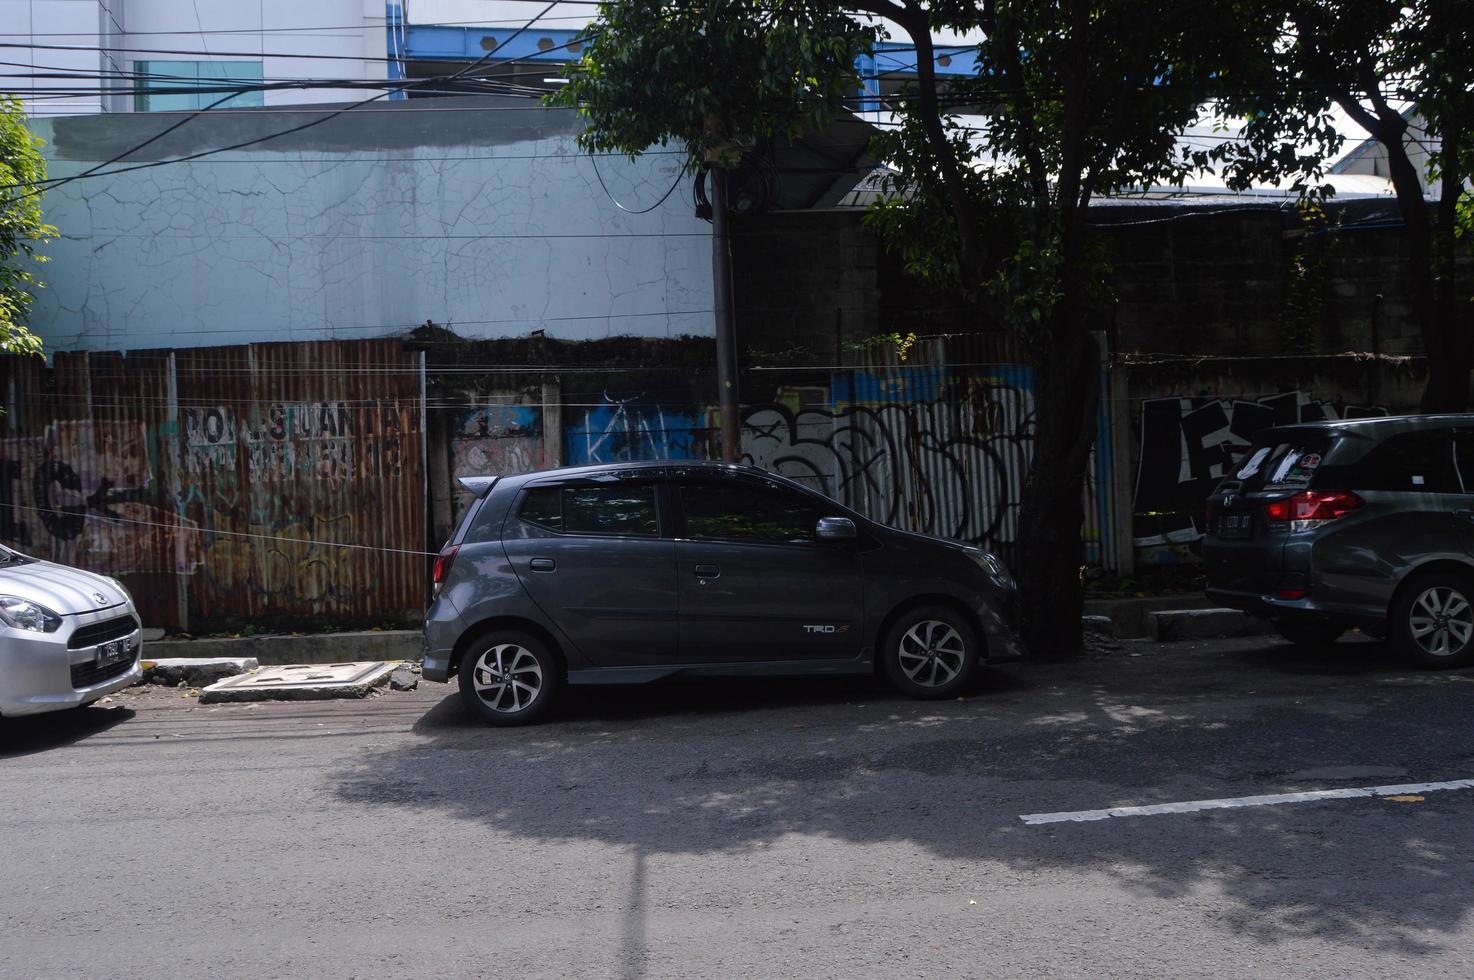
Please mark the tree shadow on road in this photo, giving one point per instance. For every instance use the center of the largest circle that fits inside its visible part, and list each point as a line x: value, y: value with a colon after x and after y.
x: 42, y: 733
x: 730, y: 767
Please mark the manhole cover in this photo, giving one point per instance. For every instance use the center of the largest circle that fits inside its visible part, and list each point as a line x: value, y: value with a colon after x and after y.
x: 301, y: 682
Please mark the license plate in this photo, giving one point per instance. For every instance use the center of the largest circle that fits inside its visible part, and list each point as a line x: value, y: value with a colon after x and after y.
x: 113, y: 651
x: 1235, y: 525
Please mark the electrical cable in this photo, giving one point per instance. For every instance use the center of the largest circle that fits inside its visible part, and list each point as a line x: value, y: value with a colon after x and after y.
x: 42, y: 186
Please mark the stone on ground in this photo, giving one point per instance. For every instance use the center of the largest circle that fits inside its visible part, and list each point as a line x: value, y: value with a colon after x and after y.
x: 195, y: 671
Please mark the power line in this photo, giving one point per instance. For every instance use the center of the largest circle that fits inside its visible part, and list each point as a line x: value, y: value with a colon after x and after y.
x: 41, y: 186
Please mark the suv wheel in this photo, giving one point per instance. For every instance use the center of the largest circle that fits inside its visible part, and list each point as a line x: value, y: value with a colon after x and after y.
x: 1433, y: 621
x: 1312, y: 636
x: 509, y: 678
x: 929, y: 653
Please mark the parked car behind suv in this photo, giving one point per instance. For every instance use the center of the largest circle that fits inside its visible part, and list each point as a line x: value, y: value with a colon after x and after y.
x: 633, y: 572
x: 1368, y: 523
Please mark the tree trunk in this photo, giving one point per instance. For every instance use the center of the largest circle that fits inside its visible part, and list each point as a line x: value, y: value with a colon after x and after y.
x: 1448, y: 370
x: 1052, y: 516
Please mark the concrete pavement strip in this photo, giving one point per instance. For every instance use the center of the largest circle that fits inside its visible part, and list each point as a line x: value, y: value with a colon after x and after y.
x: 301, y: 682
x: 195, y: 671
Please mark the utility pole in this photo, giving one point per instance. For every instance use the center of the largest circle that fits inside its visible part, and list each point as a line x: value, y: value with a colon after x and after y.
x: 726, y: 329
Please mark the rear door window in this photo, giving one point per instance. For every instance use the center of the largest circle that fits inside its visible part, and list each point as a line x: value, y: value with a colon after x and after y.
x: 614, y: 509
x: 1420, y: 462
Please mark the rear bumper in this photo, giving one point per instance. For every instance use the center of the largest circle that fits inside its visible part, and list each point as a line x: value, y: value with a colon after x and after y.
x: 442, y: 630
x: 1297, y: 610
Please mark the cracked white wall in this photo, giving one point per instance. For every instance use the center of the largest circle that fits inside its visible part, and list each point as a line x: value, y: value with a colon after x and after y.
x: 352, y: 233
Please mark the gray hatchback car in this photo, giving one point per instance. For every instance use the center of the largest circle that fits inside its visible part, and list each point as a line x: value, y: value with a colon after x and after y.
x: 633, y: 572
x: 1368, y: 523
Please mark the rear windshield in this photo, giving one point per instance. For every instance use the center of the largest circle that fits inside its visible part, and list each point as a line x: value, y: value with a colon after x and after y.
x: 1281, y: 461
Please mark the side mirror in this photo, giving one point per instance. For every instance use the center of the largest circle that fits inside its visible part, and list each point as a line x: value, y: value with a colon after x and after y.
x: 835, y: 529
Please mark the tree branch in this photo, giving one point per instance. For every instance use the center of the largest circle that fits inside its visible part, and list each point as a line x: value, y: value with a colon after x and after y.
x: 918, y: 25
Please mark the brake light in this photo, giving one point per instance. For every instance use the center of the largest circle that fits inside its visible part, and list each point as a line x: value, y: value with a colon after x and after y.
x: 1312, y: 507
x: 443, y: 561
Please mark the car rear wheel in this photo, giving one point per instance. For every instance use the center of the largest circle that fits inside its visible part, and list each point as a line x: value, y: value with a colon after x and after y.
x: 930, y: 653
x: 1433, y: 621
x: 1311, y: 636
x: 510, y: 678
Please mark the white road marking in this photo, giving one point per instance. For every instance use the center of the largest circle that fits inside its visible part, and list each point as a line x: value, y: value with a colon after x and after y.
x: 1274, y: 799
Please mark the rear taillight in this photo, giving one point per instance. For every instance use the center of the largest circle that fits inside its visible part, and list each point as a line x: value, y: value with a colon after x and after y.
x: 1312, y: 507
x: 443, y: 561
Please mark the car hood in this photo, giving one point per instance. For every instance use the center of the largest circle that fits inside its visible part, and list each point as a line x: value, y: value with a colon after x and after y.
x: 60, y: 588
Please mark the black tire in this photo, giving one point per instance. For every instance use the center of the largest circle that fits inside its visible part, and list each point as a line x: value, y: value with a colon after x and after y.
x: 1311, y: 636
x: 533, y: 667
x: 923, y: 647
x: 1421, y: 613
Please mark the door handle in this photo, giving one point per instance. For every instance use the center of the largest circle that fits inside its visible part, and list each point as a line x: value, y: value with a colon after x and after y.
x: 1467, y: 515
x: 544, y: 565
x: 708, y: 571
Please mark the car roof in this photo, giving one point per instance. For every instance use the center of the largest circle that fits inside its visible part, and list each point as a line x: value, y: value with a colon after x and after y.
x: 599, y: 469
x: 1369, y: 425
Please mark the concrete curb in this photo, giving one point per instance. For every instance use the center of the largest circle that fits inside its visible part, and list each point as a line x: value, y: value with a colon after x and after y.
x: 1205, y: 624
x: 318, y: 648
x: 1129, y: 616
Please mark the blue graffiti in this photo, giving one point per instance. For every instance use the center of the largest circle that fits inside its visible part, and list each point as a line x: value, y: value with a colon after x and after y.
x: 625, y: 430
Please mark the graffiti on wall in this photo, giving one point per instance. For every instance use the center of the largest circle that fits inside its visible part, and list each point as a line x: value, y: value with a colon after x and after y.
x: 84, y: 493
x: 323, y: 440
x: 1188, y: 444
x: 952, y: 465
x: 494, y: 440
x: 634, y: 428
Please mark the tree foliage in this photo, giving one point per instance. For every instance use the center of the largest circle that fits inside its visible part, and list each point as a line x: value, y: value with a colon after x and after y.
x: 711, y: 77
x: 21, y: 226
x: 1386, y: 64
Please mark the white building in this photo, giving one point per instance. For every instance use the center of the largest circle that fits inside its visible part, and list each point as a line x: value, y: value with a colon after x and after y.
x: 70, y: 57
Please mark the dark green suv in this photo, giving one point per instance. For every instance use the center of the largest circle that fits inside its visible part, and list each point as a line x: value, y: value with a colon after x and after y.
x: 1368, y: 523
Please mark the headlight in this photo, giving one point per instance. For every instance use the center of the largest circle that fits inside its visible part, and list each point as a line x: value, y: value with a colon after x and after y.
x: 23, y: 614
x: 993, y: 565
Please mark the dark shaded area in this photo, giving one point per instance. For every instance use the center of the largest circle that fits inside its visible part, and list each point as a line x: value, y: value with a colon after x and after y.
x: 692, y: 768
x: 42, y: 733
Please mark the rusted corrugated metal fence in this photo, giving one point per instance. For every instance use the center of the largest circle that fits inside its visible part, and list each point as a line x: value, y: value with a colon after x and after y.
x: 269, y: 484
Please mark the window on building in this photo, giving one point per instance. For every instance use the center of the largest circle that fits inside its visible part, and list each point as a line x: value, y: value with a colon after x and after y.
x: 156, y: 78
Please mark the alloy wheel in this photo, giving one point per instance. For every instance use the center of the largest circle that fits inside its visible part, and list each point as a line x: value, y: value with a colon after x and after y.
x: 507, y: 678
x: 1441, y: 621
x: 932, y: 653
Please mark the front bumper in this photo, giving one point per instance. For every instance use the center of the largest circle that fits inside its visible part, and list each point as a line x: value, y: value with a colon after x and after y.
x: 42, y: 672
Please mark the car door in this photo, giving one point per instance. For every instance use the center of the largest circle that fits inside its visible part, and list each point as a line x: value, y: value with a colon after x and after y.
x: 590, y: 554
x: 754, y: 584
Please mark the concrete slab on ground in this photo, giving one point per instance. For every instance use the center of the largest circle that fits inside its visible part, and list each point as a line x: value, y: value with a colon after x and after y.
x: 1129, y: 615
x: 316, y: 648
x: 301, y: 682
x: 1205, y: 624
x: 195, y: 671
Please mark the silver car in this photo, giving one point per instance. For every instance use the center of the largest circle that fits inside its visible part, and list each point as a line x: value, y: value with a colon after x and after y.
x: 67, y: 637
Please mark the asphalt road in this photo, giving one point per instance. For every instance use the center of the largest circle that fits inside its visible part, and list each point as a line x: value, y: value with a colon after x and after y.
x: 758, y: 829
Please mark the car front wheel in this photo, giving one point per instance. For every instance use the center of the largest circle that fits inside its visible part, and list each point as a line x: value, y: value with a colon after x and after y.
x: 1433, y: 621
x: 510, y: 678
x: 930, y: 653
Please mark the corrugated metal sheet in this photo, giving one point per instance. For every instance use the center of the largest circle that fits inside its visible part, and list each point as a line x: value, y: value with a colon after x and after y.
x: 272, y: 484
x: 939, y: 442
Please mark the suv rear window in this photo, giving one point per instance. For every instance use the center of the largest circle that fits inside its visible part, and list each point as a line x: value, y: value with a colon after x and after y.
x: 1281, y: 461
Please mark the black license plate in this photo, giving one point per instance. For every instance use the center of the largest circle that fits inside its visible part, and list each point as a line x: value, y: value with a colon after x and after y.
x: 1235, y: 525
x: 114, y: 651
